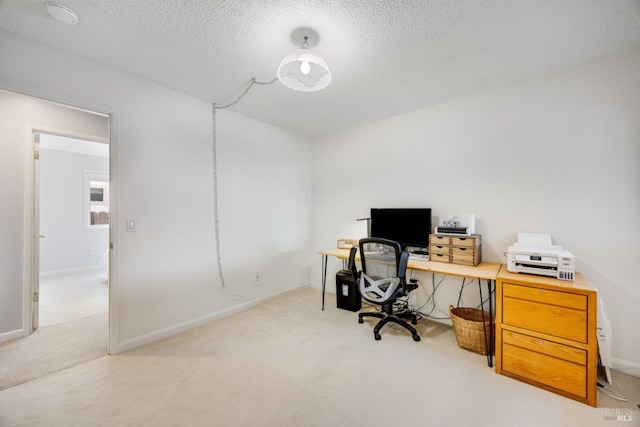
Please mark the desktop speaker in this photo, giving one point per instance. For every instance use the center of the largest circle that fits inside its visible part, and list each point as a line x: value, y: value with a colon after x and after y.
x: 347, y: 292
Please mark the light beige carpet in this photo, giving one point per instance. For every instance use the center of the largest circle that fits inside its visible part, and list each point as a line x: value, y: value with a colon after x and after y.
x: 287, y: 363
x: 70, y: 296
x: 52, y: 348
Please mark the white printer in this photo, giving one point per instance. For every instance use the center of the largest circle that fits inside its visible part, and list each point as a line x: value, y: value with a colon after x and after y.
x: 534, y: 254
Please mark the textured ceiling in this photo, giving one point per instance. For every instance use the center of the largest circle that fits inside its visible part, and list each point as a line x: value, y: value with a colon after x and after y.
x: 387, y: 57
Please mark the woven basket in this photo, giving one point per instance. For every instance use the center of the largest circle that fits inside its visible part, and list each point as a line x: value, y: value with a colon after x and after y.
x: 468, y: 327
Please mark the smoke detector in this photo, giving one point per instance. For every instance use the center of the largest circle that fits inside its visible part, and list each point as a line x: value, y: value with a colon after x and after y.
x: 62, y: 13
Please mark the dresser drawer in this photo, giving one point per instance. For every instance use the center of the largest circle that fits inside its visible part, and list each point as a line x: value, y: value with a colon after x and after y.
x: 440, y: 250
x: 469, y: 242
x: 546, y: 296
x: 545, y: 369
x: 556, y: 320
x: 549, y: 319
x: 437, y: 239
x: 550, y: 348
x: 439, y: 257
x: 465, y: 256
x: 463, y: 251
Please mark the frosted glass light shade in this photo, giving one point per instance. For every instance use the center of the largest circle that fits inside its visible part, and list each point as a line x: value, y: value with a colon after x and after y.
x: 304, y: 71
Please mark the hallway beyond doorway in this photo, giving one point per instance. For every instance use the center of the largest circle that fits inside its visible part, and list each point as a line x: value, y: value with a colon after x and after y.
x: 72, y: 296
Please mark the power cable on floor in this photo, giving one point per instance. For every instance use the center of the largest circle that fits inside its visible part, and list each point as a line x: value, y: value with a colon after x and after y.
x: 611, y: 393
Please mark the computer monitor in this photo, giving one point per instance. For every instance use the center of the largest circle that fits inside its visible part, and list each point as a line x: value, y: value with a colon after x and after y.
x: 408, y: 226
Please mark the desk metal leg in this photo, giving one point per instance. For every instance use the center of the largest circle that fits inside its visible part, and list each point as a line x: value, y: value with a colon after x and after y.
x: 324, y: 276
x: 488, y: 340
x: 490, y: 287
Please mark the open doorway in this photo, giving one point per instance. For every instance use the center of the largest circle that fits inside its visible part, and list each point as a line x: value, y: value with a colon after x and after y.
x: 28, y: 349
x: 73, y: 204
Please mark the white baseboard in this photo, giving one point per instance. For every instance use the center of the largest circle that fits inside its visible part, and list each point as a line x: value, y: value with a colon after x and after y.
x: 11, y: 335
x: 51, y: 273
x: 185, y: 326
x: 626, y: 367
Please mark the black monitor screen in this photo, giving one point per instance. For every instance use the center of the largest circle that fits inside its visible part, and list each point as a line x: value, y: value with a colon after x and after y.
x: 409, y: 227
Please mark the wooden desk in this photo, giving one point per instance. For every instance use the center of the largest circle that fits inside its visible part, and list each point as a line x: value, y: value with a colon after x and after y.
x: 483, y: 271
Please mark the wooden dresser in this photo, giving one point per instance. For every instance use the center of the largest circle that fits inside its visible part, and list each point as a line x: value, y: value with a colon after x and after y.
x: 464, y: 250
x: 546, y: 333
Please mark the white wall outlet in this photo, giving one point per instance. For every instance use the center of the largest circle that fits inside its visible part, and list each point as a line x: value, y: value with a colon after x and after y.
x: 131, y: 225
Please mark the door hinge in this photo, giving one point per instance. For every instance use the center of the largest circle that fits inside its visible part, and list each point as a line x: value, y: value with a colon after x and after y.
x: 36, y: 155
x: 36, y: 297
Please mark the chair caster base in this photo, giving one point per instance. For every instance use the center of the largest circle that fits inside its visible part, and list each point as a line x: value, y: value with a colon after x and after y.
x: 377, y: 337
x: 416, y: 338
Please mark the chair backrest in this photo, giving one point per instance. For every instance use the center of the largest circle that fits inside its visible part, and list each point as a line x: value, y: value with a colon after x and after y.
x: 383, y: 258
x: 384, y: 266
x: 351, y: 264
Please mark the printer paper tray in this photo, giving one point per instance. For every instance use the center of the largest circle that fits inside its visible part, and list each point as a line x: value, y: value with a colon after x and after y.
x: 539, y: 270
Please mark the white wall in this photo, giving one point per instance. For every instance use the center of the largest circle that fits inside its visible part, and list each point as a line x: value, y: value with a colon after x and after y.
x: 164, y: 275
x: 558, y: 155
x: 67, y: 242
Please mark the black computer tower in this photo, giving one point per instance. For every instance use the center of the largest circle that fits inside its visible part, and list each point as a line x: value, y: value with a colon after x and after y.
x: 347, y: 293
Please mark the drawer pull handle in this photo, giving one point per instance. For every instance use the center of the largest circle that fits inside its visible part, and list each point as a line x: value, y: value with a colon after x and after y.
x: 541, y: 291
x: 540, y: 342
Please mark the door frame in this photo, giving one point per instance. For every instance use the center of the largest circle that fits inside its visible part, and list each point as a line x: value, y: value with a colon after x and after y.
x: 32, y: 232
x: 35, y: 282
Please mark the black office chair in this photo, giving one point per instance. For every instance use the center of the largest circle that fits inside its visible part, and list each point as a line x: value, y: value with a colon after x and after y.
x: 382, y: 281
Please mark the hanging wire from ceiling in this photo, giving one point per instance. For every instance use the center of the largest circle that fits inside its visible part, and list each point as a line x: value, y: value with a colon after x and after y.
x: 216, y: 216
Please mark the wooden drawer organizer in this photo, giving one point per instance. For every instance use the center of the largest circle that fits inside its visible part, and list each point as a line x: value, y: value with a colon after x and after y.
x: 465, y: 250
x: 546, y: 333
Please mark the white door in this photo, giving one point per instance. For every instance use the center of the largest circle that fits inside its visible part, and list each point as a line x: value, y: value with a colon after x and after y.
x: 66, y: 189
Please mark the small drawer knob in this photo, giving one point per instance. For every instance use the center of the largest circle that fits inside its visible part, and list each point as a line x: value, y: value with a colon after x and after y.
x: 541, y: 291
x: 540, y: 342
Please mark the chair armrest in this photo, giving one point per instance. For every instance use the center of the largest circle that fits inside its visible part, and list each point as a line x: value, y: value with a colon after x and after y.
x: 411, y: 287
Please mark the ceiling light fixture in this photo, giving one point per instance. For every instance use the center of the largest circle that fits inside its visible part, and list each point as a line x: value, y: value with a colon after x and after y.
x: 62, y: 13
x: 304, y: 70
